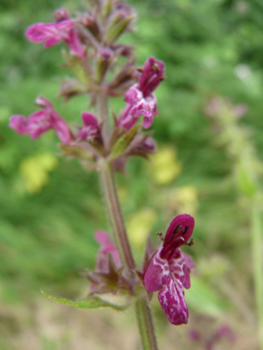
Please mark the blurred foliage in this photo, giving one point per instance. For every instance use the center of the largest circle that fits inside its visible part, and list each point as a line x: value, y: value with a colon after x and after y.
x: 210, y: 47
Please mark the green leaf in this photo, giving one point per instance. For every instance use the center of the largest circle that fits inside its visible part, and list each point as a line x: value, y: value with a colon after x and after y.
x: 204, y: 299
x: 123, y: 142
x: 89, y: 303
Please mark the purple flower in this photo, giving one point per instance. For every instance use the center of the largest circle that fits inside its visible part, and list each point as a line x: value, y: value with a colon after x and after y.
x: 169, y: 268
x: 91, y: 126
x: 41, y: 121
x: 140, y: 98
x: 54, y: 33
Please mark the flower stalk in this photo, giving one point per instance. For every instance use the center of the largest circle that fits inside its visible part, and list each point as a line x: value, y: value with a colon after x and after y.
x: 145, y: 322
x: 114, y: 214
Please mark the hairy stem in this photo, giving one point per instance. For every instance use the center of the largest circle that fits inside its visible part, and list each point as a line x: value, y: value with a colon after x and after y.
x: 145, y: 323
x: 114, y: 213
x: 102, y: 109
x: 257, y: 240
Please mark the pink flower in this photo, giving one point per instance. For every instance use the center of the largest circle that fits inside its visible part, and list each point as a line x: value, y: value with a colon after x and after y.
x: 54, y: 33
x: 40, y: 122
x: 91, y: 126
x: 169, y: 268
x: 107, y: 249
x: 140, y: 98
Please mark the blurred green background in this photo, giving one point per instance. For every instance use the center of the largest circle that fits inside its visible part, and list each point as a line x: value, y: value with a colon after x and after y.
x: 50, y: 207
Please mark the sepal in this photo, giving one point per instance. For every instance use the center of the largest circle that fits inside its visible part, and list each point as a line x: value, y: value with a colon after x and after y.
x: 123, y: 142
x: 119, y: 24
x: 71, y: 87
x: 82, y: 73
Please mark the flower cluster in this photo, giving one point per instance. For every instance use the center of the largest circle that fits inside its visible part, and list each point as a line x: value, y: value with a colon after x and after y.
x: 140, y: 99
x: 90, y: 57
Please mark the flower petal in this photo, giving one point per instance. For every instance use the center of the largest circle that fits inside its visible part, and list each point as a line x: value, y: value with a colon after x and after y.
x: 178, y: 233
x: 156, y: 270
x: 172, y: 301
x: 19, y: 123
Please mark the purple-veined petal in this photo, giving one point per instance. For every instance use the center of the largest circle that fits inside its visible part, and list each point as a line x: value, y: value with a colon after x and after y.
x: 38, y: 123
x: 154, y: 274
x: 147, y: 122
x: 172, y: 301
x: 74, y: 44
x: 44, y: 32
x: 61, y: 128
x: 133, y: 95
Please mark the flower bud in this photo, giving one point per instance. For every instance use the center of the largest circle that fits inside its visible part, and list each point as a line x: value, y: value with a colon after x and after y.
x: 103, y: 61
x: 60, y: 15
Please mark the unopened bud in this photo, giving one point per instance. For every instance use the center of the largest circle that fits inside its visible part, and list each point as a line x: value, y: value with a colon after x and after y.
x: 104, y: 59
x: 43, y: 102
x: 61, y: 14
x: 70, y: 88
x: 90, y: 23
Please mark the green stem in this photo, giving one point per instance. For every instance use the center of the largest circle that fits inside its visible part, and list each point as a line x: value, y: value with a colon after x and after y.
x: 114, y: 213
x: 145, y: 323
x: 102, y: 109
x: 257, y: 264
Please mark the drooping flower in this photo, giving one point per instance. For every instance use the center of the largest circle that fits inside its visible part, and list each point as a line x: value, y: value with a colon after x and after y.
x: 54, y: 33
x: 107, y: 249
x: 108, y: 274
x: 41, y: 121
x: 140, y: 99
x: 168, y: 270
x: 91, y: 126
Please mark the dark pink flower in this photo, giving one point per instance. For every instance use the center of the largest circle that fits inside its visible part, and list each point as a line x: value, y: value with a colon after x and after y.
x: 140, y: 98
x: 54, y: 33
x: 91, y: 126
x: 168, y: 270
x: 41, y: 121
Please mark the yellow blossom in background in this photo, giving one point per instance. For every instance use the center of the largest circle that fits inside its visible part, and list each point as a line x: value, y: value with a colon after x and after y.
x: 187, y: 199
x: 34, y: 171
x: 122, y: 193
x: 166, y: 166
x: 179, y: 200
x: 139, y: 226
